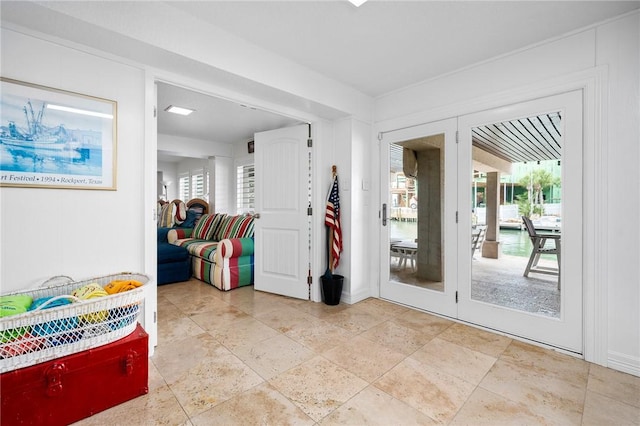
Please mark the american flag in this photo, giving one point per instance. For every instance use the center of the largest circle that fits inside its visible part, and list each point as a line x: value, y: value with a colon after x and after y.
x: 332, y: 220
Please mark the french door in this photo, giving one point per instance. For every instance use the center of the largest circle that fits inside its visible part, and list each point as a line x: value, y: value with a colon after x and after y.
x: 519, y: 160
x: 419, y: 212
x: 544, y: 138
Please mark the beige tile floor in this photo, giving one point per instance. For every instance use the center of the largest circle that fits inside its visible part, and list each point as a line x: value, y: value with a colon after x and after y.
x: 249, y: 358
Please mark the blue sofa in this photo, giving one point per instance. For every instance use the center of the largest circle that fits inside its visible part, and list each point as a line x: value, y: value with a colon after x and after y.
x: 174, y: 263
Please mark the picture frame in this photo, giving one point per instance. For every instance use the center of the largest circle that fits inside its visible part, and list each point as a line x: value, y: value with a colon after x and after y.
x: 250, y: 145
x: 52, y: 138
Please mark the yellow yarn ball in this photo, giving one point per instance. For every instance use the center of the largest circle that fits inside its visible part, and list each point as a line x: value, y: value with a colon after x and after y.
x: 91, y: 291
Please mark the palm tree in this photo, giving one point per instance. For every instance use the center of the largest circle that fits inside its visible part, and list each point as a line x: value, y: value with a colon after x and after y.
x: 533, y: 201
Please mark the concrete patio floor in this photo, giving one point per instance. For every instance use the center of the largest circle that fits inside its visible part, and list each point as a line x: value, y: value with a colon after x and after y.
x: 501, y: 282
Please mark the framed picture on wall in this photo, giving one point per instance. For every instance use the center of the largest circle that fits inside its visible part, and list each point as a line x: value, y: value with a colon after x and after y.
x: 51, y: 138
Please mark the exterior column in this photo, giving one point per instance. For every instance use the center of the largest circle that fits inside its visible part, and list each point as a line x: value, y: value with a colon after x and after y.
x: 491, y: 245
x: 429, y: 256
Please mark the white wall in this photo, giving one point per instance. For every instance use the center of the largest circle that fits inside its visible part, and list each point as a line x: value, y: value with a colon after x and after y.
x: 225, y: 186
x: 169, y: 174
x: 80, y: 233
x: 342, y: 159
x: 365, y: 248
x: 618, y: 48
x: 615, y: 47
x: 353, y: 161
x: 510, y: 72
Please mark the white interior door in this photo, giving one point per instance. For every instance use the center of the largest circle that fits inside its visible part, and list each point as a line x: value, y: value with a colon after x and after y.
x: 282, y: 244
x: 418, y: 230
x: 562, y: 328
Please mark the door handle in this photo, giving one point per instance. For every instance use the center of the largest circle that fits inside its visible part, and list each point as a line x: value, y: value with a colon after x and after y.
x: 256, y: 215
x: 384, y: 214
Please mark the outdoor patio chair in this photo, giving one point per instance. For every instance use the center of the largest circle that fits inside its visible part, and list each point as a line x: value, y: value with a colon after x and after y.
x: 477, y: 238
x: 540, y: 247
x: 405, y: 252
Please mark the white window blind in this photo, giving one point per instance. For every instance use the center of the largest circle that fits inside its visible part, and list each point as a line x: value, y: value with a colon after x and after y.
x: 194, y: 184
x: 183, y: 187
x: 246, y: 186
x: 197, y: 186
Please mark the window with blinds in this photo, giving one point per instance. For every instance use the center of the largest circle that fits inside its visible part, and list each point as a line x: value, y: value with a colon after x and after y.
x: 198, y: 186
x: 193, y: 184
x: 246, y: 185
x: 183, y: 187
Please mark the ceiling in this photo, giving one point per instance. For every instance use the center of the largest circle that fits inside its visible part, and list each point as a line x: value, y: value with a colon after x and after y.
x: 386, y: 45
x: 377, y: 48
x: 214, y: 119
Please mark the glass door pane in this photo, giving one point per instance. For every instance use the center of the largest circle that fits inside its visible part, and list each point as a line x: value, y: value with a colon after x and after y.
x: 418, y: 226
x: 415, y: 227
x: 517, y: 168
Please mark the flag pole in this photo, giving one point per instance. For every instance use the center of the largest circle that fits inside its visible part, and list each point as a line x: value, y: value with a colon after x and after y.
x: 328, y: 273
x: 334, y: 173
x: 332, y: 284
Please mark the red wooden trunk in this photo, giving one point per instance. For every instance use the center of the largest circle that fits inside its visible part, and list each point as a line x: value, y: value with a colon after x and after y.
x: 71, y: 388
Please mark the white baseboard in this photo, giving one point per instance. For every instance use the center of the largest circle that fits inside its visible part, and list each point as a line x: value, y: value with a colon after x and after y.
x: 624, y: 363
x: 355, y: 298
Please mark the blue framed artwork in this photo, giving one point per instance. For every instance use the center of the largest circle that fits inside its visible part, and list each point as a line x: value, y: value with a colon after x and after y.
x: 52, y: 138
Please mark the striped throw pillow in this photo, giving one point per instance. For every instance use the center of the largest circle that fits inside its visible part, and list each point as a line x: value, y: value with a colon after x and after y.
x: 181, y: 213
x: 166, y: 216
x: 220, y: 229
x: 203, y: 227
x: 238, y: 227
x: 208, y: 225
x: 221, y: 219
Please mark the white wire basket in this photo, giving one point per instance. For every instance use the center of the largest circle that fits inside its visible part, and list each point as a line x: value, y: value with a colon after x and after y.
x: 47, y: 333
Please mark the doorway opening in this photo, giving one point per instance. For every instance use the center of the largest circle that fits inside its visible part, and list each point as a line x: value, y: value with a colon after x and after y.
x: 211, y: 143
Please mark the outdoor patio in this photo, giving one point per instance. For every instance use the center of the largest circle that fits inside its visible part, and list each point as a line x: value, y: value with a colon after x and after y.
x: 501, y: 282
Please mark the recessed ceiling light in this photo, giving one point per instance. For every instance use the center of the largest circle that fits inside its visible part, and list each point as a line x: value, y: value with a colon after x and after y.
x: 357, y: 3
x: 179, y: 110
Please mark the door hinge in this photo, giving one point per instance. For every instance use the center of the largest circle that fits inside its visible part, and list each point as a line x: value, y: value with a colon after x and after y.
x: 155, y: 112
x: 309, y: 279
x: 457, y: 136
x: 155, y: 317
x: 309, y: 211
x: 456, y: 216
x: 309, y: 143
x: 456, y: 296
